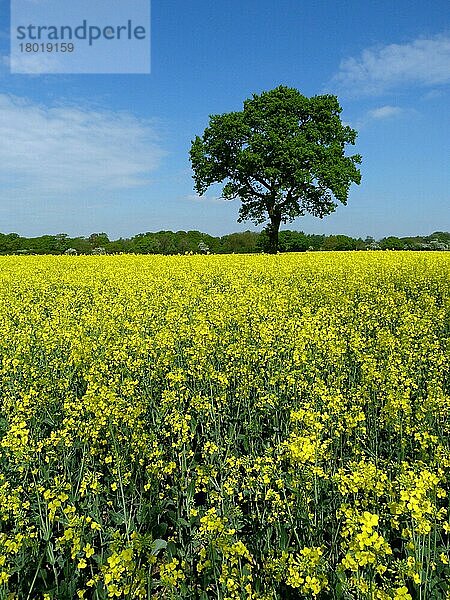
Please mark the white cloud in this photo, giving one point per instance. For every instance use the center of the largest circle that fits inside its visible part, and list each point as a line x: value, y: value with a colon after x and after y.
x: 64, y: 149
x: 433, y: 94
x: 34, y: 64
x: 423, y: 62
x: 209, y: 199
x: 385, y: 112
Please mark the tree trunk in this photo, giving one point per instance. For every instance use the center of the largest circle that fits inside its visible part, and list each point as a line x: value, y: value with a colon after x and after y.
x: 272, y: 232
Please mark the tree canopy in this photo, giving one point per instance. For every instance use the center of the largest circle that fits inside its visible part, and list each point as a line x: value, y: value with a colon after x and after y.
x: 282, y: 156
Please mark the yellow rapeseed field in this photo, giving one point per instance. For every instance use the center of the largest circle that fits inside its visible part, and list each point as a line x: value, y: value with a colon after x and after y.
x: 225, y: 427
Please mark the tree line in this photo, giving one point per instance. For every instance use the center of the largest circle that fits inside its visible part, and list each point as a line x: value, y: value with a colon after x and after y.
x: 182, y: 242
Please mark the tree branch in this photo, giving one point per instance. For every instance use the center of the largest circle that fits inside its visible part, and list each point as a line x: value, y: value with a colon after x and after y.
x: 264, y: 183
x: 288, y: 199
x: 252, y: 190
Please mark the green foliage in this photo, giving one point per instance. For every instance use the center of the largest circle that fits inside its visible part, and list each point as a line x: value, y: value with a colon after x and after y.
x: 240, y: 242
x: 282, y: 156
x: 392, y: 243
x: 441, y: 236
x: 10, y: 242
x: 340, y: 242
x: 182, y: 242
x: 293, y: 241
x: 98, y: 239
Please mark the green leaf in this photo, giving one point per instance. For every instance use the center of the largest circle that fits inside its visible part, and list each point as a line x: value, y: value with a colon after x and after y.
x: 158, y: 545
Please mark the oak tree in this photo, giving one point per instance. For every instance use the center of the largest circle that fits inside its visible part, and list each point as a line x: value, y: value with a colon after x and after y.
x: 282, y: 156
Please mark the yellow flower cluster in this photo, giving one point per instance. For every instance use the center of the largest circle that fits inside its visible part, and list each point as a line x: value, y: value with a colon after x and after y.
x: 366, y: 546
x: 303, y: 572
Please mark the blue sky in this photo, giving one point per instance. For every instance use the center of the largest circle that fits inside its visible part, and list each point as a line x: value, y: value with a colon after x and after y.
x: 85, y: 153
